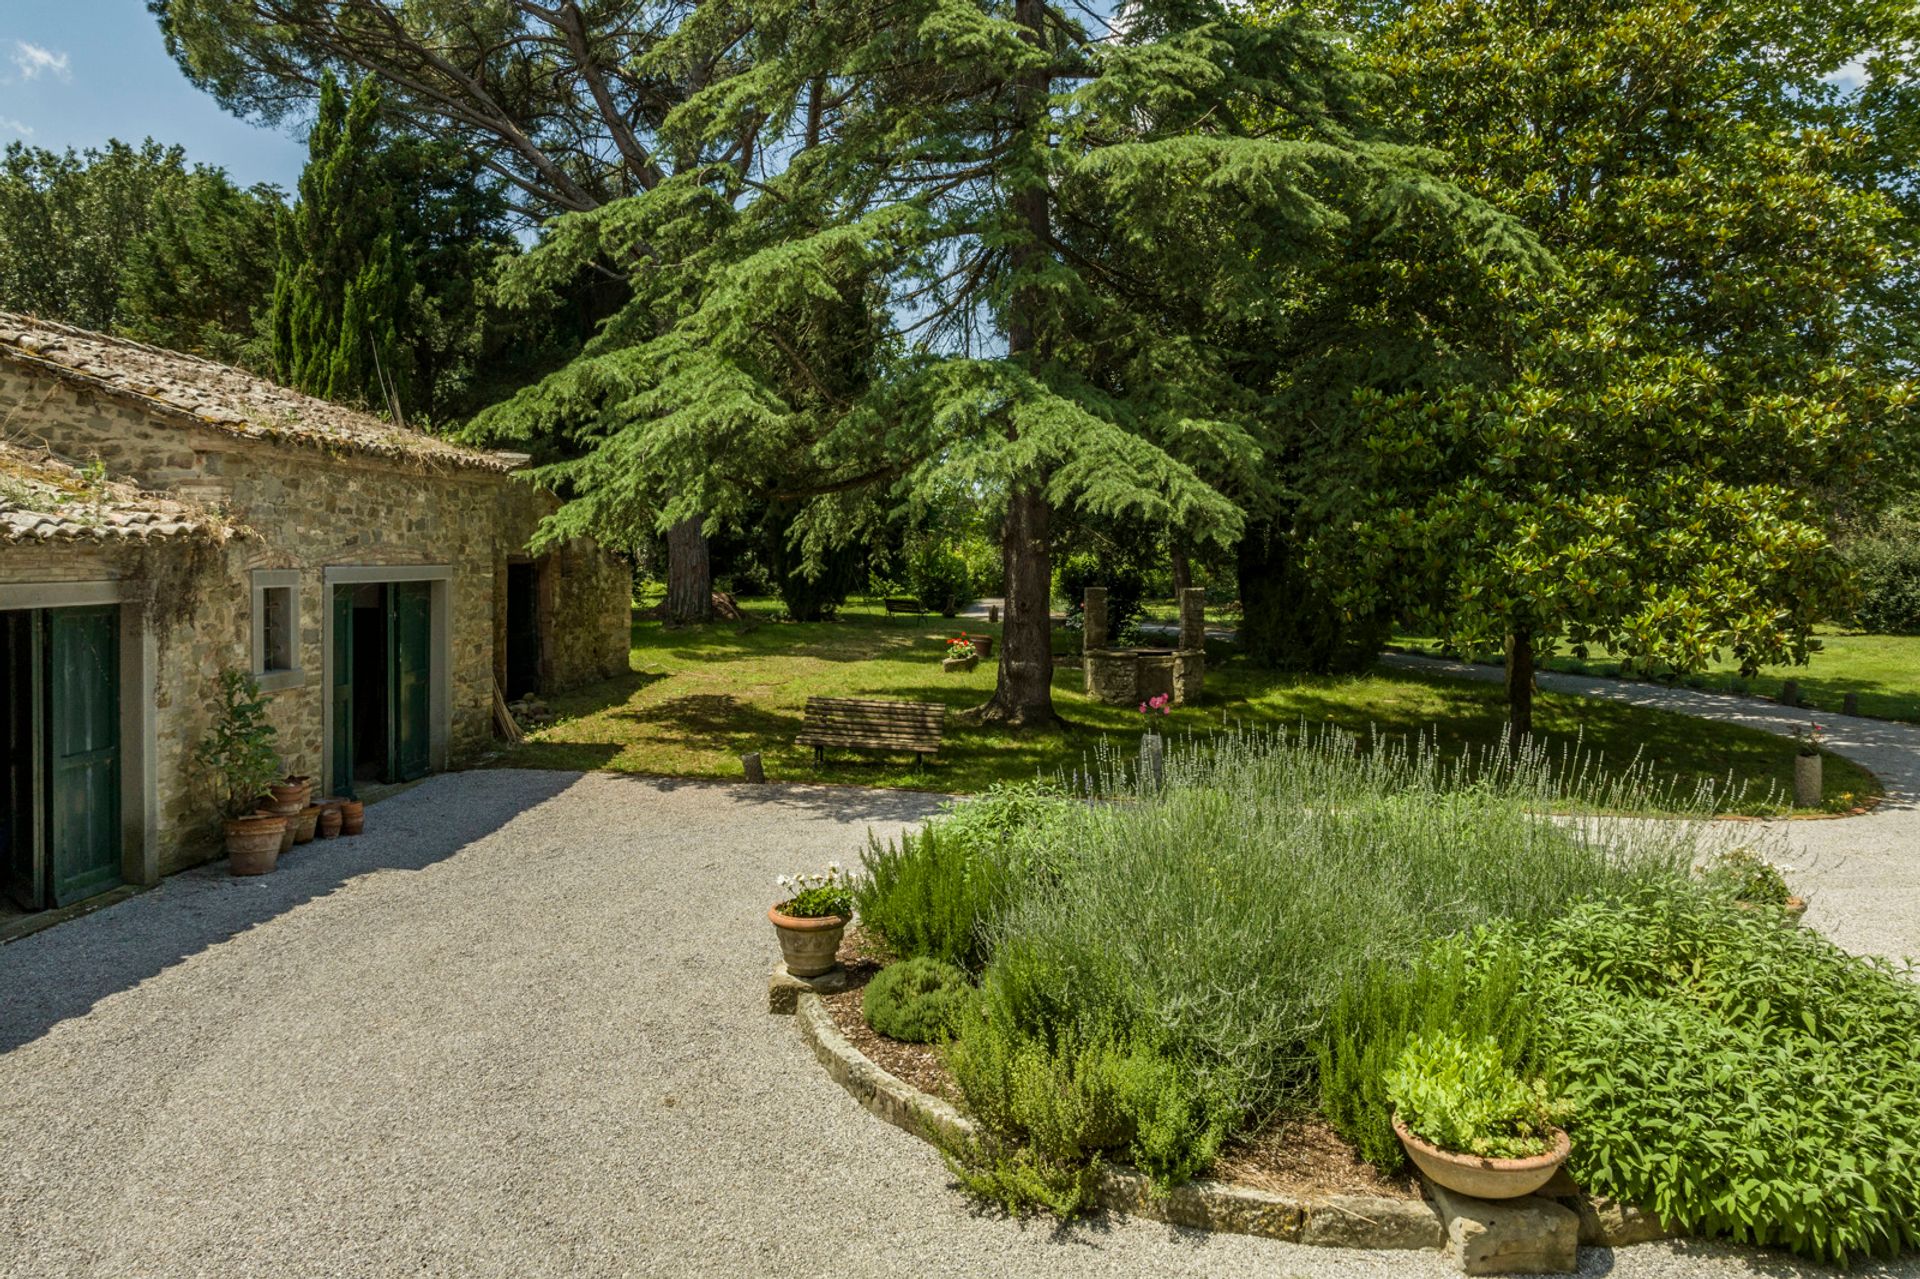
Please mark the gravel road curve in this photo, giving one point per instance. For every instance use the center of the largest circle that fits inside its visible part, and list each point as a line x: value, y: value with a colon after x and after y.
x: 516, y: 1029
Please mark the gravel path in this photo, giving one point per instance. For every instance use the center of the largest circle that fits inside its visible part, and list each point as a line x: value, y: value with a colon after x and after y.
x: 517, y: 1029
x: 1860, y: 875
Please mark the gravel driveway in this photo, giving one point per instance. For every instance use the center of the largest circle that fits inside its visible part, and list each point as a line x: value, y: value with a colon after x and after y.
x: 516, y: 1029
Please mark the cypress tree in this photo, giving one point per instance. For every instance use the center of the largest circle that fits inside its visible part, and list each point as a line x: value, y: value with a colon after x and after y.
x: 342, y: 285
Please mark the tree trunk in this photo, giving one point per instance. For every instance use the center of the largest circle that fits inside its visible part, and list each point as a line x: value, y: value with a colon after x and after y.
x: 1519, y: 690
x: 1023, y: 686
x: 1182, y: 572
x: 689, y: 575
x: 1023, y: 690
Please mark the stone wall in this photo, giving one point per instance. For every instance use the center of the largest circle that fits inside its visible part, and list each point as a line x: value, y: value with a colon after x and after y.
x: 304, y: 508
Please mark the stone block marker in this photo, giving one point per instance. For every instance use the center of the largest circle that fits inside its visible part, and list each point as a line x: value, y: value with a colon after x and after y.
x: 784, y: 989
x: 1529, y: 1235
x: 756, y: 771
x: 1850, y: 705
x: 1093, y: 613
x: 1193, y: 618
x: 1790, y: 693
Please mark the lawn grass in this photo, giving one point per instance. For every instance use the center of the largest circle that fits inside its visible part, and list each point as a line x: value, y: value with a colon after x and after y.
x: 1884, y: 670
x: 700, y: 697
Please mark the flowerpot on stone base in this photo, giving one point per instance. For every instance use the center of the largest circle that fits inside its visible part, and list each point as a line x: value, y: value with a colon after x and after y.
x: 1808, y: 789
x: 1483, y: 1178
x: 810, y: 946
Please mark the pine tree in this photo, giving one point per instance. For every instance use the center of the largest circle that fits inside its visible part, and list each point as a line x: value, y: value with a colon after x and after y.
x: 1043, y: 231
x: 342, y: 286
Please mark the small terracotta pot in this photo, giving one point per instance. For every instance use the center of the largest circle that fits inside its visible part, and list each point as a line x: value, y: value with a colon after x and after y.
x: 983, y: 646
x: 1484, y: 1178
x: 253, y: 842
x: 286, y: 831
x: 289, y: 797
x: 809, y: 945
x: 304, y: 824
x: 353, y: 817
x: 329, y: 825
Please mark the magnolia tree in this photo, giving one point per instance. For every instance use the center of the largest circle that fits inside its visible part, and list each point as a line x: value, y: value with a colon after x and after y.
x: 1643, y: 449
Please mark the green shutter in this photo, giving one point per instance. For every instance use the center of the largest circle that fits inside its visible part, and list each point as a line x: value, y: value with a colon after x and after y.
x: 410, y: 635
x: 83, y: 722
x: 341, y: 694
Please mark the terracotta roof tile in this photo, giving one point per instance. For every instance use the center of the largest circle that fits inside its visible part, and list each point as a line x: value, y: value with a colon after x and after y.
x: 186, y: 387
x: 46, y: 499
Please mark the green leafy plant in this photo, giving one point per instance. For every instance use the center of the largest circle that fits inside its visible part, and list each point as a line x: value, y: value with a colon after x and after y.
x: 1735, y: 1077
x: 939, y: 579
x: 961, y: 647
x: 1462, y: 985
x: 239, y: 750
x: 917, y: 1001
x: 817, y: 894
x: 1461, y: 1095
x: 1746, y: 876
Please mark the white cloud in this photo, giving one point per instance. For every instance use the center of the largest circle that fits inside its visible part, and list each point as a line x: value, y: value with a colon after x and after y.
x: 34, y: 60
x: 1852, y: 77
x: 10, y: 125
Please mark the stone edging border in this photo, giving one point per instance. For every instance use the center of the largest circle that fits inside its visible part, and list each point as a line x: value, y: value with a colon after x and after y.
x: 1338, y: 1221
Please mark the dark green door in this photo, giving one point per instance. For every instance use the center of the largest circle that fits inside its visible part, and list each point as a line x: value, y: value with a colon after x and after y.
x: 410, y: 641
x: 341, y: 693
x: 83, y: 739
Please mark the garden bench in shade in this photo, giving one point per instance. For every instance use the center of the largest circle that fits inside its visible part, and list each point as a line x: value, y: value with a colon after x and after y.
x: 906, y: 606
x: 860, y: 723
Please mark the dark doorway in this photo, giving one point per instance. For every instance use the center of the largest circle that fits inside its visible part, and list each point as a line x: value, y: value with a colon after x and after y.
x: 382, y: 683
x: 523, y: 630
x: 60, y: 837
x: 370, y: 684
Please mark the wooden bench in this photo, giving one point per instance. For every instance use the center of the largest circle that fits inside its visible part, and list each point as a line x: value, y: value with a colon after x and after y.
x: 906, y: 606
x: 860, y: 723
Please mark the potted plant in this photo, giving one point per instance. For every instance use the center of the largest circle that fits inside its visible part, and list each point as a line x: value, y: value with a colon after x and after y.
x: 812, y: 918
x: 239, y: 751
x: 1753, y: 883
x: 961, y: 654
x: 1808, y: 791
x: 1469, y: 1122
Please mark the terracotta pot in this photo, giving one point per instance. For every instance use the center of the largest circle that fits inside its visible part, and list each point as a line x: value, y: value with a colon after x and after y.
x: 1795, y: 909
x: 959, y: 663
x: 289, y: 797
x: 809, y: 945
x: 983, y: 646
x: 304, y: 823
x: 1807, y: 788
x: 1484, y: 1178
x: 286, y: 831
x: 329, y: 826
x: 353, y: 817
x: 253, y: 842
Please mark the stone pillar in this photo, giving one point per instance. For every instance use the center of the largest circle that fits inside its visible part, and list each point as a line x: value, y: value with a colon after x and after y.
x: 1193, y: 618
x: 1094, y: 615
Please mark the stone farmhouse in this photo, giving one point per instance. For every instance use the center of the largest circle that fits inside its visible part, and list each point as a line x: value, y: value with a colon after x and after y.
x: 164, y: 518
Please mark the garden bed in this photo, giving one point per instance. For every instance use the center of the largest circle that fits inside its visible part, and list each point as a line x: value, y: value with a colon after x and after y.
x: 1297, y: 1157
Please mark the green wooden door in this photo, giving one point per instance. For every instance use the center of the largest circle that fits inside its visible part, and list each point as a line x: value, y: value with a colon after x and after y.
x: 341, y: 693
x: 83, y: 739
x: 410, y: 640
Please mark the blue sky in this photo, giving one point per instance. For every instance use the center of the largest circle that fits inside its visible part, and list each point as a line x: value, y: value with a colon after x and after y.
x: 74, y: 73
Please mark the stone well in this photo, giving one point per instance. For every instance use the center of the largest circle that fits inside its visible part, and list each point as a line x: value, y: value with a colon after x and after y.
x: 1129, y: 676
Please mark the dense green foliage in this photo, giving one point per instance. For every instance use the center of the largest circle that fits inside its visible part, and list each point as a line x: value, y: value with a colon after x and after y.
x: 917, y: 1001
x: 1738, y: 1077
x: 1642, y: 450
x: 1448, y: 991
x: 940, y: 579
x: 1460, y: 1094
x: 937, y: 893
x: 135, y: 240
x: 1126, y: 590
x: 1886, y: 569
x: 1164, y: 962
